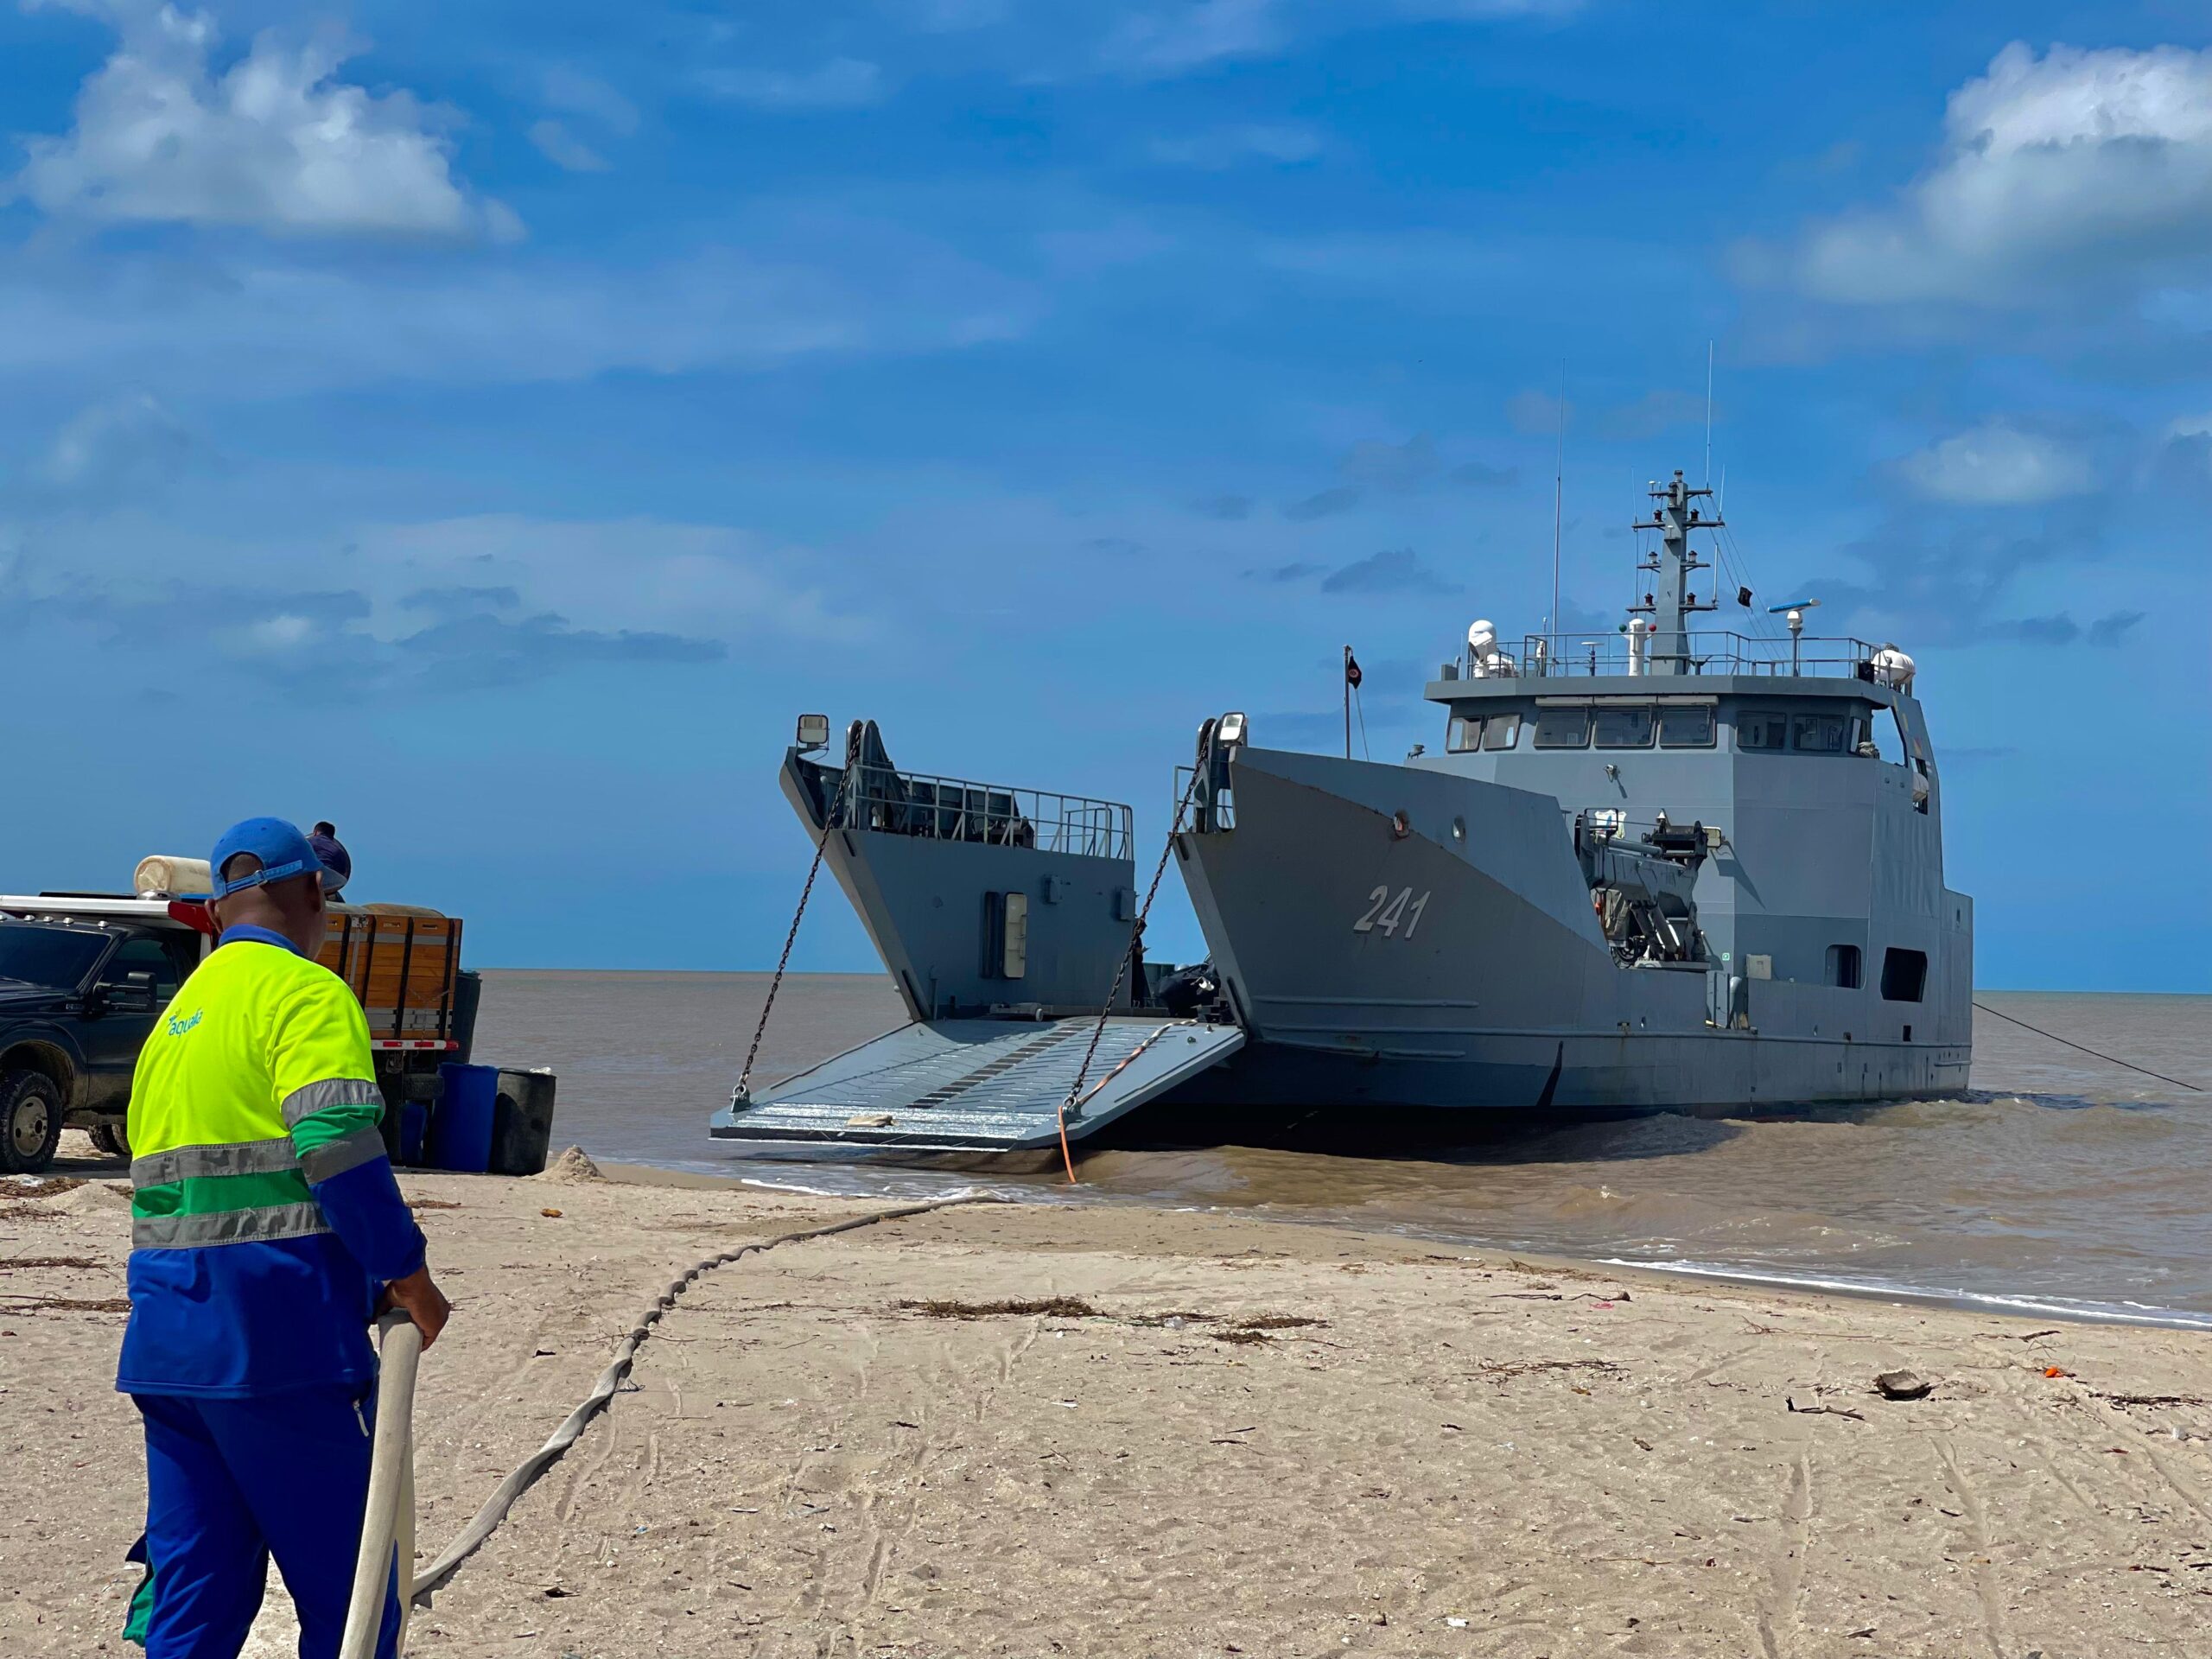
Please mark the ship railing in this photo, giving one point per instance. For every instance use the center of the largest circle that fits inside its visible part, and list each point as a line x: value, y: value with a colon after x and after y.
x: 997, y: 815
x: 1209, y: 809
x: 1586, y: 655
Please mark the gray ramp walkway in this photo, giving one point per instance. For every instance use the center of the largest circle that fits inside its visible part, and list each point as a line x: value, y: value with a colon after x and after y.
x: 979, y: 1084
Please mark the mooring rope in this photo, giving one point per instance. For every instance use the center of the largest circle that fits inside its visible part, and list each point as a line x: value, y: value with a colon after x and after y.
x: 2113, y: 1058
x: 434, y: 1577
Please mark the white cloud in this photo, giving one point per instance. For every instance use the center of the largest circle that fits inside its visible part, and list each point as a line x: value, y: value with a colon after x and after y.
x: 207, y: 335
x: 636, y: 575
x: 564, y: 149
x: 274, y: 142
x: 573, y: 92
x: 839, y: 84
x: 123, y: 444
x: 2071, y: 168
x: 1189, y: 36
x: 1996, y: 464
x: 1226, y: 147
x: 1177, y: 38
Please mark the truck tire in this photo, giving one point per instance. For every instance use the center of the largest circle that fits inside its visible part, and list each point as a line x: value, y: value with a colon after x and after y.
x: 30, y: 1122
x: 112, y: 1137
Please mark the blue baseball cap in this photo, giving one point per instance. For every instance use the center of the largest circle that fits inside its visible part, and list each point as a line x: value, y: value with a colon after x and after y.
x: 283, y: 850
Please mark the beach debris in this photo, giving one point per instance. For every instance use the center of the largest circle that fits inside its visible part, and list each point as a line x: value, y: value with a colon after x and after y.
x: 72, y: 1305
x: 572, y: 1168
x: 1241, y: 1335
x: 1277, y: 1322
x: 1904, y: 1385
x: 1822, y: 1411
x: 2056, y: 1370
x: 37, y: 1187
x: 550, y: 1214
x: 13, y: 1263
x: 1502, y: 1370
x: 1055, y: 1307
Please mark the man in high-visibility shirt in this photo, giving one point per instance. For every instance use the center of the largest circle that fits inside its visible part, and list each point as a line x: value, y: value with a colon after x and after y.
x: 266, y: 1229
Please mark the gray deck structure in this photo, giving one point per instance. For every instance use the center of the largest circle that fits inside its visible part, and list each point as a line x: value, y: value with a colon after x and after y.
x: 1003, y: 915
x: 1661, y: 868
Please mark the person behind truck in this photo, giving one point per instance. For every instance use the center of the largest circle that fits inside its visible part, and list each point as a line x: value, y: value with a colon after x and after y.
x: 335, y: 859
x: 266, y: 1230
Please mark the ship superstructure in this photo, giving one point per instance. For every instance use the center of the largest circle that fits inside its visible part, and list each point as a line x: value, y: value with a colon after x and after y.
x: 1662, y: 866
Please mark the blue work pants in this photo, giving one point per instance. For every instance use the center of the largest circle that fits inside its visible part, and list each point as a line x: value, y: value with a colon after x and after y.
x: 230, y: 1482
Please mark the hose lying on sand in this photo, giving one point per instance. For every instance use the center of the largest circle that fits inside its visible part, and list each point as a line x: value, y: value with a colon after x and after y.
x: 434, y: 1577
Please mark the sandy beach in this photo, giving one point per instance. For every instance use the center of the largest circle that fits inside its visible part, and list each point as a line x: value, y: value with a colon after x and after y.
x: 1215, y: 1435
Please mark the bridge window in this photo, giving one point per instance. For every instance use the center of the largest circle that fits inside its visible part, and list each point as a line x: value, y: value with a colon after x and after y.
x: 1904, y: 975
x: 1819, y: 733
x: 1686, y: 728
x: 1625, y: 729
x: 1761, y: 729
x: 1468, y: 733
x: 1562, y: 728
x: 1843, y: 966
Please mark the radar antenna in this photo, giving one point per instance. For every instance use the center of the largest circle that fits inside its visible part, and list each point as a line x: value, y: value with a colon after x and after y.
x: 1669, y: 603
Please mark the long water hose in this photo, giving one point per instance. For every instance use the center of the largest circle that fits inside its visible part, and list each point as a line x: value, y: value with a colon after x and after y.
x: 388, y: 1526
x: 388, y: 1523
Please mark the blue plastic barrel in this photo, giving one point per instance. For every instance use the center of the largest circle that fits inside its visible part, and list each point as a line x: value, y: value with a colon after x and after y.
x: 414, y: 1125
x: 460, y: 1124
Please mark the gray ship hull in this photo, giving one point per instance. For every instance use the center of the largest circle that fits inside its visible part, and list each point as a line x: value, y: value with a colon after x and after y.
x: 1396, y: 936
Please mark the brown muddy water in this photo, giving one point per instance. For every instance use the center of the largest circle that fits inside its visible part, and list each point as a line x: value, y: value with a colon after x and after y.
x: 2057, y: 1184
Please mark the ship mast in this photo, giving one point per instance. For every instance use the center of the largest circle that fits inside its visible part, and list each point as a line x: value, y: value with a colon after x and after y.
x: 1670, y: 604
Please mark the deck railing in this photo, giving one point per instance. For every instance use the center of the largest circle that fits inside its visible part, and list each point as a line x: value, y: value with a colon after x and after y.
x: 1584, y: 655
x: 957, y: 809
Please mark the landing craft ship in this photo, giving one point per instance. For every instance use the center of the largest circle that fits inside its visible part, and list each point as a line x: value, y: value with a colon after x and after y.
x: 1664, y: 867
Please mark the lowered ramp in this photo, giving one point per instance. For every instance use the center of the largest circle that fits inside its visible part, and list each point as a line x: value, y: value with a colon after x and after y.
x: 991, y: 1085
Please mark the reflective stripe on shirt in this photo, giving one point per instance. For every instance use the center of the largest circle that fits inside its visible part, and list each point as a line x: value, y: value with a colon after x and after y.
x: 331, y: 1091
x: 299, y: 1220
x: 239, y: 1157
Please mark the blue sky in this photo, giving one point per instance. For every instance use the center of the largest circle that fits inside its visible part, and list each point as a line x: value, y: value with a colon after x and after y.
x: 487, y: 426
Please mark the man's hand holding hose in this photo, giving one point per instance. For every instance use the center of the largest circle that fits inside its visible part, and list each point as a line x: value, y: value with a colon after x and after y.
x: 418, y: 1297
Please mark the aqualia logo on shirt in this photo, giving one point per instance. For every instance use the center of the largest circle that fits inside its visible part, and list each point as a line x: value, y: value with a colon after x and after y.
x: 178, y: 1027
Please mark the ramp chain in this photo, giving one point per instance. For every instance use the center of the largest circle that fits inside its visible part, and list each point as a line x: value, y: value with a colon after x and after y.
x: 1121, y: 967
x: 742, y: 1095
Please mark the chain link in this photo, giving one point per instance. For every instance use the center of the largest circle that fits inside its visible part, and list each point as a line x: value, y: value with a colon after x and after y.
x: 743, y: 1096
x: 1122, y: 968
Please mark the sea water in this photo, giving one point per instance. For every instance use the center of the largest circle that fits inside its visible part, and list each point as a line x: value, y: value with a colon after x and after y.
x: 2056, y: 1185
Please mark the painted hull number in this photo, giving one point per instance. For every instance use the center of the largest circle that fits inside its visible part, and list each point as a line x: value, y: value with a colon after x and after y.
x: 1385, y: 915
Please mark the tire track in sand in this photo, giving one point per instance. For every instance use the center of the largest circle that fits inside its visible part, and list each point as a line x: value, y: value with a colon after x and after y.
x: 1977, y: 1519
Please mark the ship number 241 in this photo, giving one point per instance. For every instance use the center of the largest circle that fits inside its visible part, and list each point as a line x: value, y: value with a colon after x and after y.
x: 1384, y: 914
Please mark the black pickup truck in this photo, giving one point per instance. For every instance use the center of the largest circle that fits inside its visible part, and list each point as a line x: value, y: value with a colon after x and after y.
x: 78, y: 992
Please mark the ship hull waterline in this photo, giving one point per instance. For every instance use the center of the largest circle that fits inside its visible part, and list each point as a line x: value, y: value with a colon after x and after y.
x: 1495, y: 990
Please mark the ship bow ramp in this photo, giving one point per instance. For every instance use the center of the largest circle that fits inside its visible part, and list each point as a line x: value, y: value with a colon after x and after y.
x: 1005, y: 916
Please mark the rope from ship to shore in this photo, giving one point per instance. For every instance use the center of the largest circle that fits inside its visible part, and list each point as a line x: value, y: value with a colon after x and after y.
x: 1121, y: 967
x: 742, y: 1095
x: 2113, y: 1059
x: 434, y: 1577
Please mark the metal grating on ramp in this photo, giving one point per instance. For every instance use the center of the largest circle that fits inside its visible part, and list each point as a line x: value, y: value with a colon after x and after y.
x: 979, y: 1084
